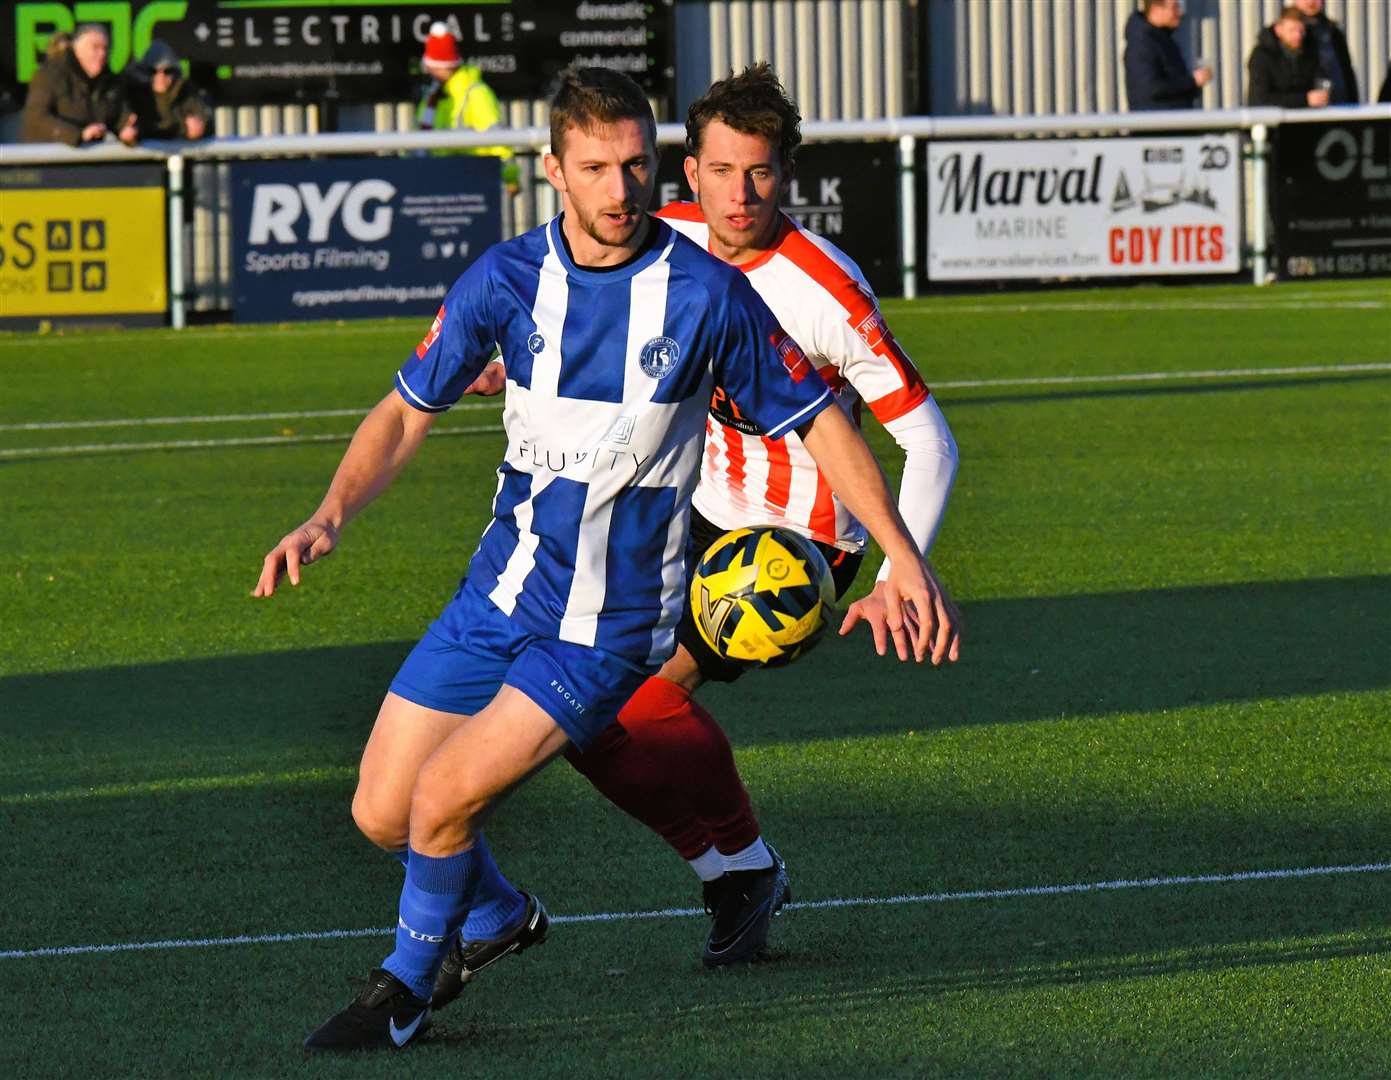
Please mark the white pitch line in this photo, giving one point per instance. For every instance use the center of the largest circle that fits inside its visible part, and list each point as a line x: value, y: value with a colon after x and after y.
x: 1209, y: 305
x: 1279, y: 301
x: 217, y: 418
x: 1161, y: 376
x: 1042, y: 380
x: 676, y: 913
x: 1276, y: 301
x: 212, y: 333
x: 204, y: 444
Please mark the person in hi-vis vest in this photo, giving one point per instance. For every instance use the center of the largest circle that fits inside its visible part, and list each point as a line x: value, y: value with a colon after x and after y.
x: 457, y: 97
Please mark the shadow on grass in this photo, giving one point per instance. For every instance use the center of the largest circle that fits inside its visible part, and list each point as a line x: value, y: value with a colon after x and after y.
x: 1026, y: 659
x: 878, y: 987
x: 1089, y: 655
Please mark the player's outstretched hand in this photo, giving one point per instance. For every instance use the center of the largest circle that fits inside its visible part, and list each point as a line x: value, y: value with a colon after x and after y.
x: 312, y: 540
x: 492, y: 380
x: 893, y: 610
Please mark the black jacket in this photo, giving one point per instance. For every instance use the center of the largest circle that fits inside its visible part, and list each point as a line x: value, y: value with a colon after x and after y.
x: 1278, y: 76
x: 1325, y: 41
x: 1156, y: 74
x: 162, y: 116
x: 63, y: 100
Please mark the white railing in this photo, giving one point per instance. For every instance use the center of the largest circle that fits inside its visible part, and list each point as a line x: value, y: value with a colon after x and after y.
x: 907, y: 131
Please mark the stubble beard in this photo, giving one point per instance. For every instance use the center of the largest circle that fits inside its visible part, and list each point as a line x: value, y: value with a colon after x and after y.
x: 594, y: 227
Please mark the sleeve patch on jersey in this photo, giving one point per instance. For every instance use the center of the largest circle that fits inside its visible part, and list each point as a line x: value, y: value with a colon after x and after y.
x: 791, y: 354
x: 429, y: 339
x: 872, y: 329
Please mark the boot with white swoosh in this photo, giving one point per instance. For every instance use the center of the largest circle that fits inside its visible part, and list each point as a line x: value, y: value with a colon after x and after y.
x: 384, y: 1016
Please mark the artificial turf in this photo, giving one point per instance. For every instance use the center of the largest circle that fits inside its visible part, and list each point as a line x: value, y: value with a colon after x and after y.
x: 1177, y: 596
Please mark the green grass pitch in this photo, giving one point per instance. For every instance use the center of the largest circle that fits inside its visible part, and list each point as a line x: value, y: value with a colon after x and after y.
x: 1177, y: 664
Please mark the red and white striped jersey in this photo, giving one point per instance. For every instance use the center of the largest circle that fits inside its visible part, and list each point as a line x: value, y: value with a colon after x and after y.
x: 821, y: 299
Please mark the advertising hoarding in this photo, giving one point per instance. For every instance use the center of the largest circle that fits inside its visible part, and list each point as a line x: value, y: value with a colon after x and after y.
x: 846, y: 192
x: 358, y: 238
x: 1331, y: 197
x: 252, y: 51
x: 1079, y: 208
x: 82, y: 242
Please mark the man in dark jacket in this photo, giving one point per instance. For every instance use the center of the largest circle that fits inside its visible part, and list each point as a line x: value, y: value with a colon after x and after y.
x: 166, y: 105
x: 1325, y: 40
x: 1281, y: 71
x: 1156, y: 74
x: 74, y: 98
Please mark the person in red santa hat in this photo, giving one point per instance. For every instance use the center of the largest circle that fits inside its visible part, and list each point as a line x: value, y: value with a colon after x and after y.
x: 457, y: 97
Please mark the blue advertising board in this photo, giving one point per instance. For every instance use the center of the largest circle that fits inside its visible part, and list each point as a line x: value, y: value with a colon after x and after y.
x: 356, y: 238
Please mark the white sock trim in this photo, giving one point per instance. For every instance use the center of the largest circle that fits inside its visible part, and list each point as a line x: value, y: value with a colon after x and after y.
x: 754, y: 857
x: 709, y: 864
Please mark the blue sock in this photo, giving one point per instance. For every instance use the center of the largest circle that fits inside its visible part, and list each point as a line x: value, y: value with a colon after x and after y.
x: 434, y: 903
x: 497, y: 908
x: 403, y: 856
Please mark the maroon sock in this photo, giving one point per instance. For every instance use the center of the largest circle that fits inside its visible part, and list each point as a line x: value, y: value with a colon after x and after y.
x: 668, y: 763
x: 622, y: 772
x: 688, y: 755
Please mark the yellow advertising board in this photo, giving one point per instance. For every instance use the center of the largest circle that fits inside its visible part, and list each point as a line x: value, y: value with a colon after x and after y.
x: 82, y: 241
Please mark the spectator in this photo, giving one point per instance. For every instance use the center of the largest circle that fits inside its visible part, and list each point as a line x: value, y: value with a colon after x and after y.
x: 1282, y: 72
x: 166, y: 105
x: 1156, y: 74
x: 1325, y: 39
x: 457, y: 97
x: 74, y: 98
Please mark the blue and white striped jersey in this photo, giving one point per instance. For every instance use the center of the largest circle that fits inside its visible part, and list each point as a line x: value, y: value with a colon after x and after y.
x: 609, y: 378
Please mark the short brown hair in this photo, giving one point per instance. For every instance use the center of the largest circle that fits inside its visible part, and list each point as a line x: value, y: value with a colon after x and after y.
x: 752, y: 103
x: 1289, y: 11
x: 589, y: 96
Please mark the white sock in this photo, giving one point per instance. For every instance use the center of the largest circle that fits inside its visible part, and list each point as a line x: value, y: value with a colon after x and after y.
x: 709, y: 864
x: 754, y: 857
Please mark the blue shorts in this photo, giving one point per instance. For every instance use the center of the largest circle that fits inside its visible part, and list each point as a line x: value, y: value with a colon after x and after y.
x: 460, y: 667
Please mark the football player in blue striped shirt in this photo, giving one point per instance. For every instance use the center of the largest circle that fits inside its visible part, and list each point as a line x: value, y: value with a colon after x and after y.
x: 614, y: 329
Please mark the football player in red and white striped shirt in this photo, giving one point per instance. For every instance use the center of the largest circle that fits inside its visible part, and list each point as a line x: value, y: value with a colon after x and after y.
x: 666, y: 761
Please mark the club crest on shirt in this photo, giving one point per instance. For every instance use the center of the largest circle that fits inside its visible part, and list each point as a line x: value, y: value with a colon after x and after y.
x: 658, y: 357
x: 791, y: 354
x: 429, y: 339
x: 535, y: 343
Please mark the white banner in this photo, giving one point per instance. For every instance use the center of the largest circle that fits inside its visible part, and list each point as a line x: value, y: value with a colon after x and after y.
x: 1049, y: 208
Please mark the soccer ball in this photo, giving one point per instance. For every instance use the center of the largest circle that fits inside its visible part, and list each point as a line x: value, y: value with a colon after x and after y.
x: 762, y: 596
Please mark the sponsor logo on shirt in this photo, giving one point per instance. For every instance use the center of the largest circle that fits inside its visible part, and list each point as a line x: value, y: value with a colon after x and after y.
x: 424, y: 346
x: 621, y: 433
x: 791, y: 354
x: 726, y: 412
x: 579, y: 463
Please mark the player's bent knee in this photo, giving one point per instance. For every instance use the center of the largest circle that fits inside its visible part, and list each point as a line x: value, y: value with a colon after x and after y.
x: 443, y: 819
x: 386, y: 828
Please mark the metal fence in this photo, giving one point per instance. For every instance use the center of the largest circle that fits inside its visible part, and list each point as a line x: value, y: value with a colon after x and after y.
x: 1022, y: 57
x: 200, y: 250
